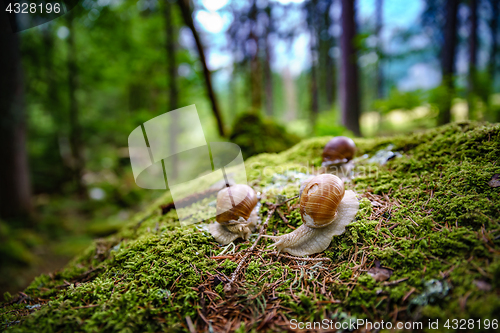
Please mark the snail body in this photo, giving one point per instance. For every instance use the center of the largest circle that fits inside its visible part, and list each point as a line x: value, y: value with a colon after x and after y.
x: 236, y: 215
x: 338, y: 154
x: 326, y: 208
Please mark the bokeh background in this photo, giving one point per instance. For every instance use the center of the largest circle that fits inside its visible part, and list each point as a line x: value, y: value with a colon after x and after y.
x: 262, y: 73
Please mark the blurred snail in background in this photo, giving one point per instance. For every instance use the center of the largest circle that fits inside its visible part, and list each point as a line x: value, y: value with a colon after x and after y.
x: 337, y: 156
x: 236, y: 214
x: 326, y: 208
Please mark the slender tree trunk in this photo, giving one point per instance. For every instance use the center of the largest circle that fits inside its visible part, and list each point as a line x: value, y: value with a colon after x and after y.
x: 448, y: 59
x: 380, y: 75
x: 269, y: 82
x: 188, y: 20
x: 48, y: 44
x: 255, y: 64
x: 290, y: 95
x: 233, y: 87
x: 331, y: 81
x: 15, y: 188
x: 75, y: 135
x: 471, y: 80
x: 53, y: 100
x: 255, y: 78
x: 314, y: 95
x: 349, y: 80
x: 492, y: 65
x: 173, y: 91
x: 268, y: 75
x: 313, y: 85
x: 330, y: 70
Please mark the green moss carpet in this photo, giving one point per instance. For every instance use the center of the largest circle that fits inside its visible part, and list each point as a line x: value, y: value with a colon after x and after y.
x: 425, y: 245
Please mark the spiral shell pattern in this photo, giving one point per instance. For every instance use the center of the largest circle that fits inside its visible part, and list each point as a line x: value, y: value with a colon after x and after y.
x: 320, y: 199
x: 234, y: 202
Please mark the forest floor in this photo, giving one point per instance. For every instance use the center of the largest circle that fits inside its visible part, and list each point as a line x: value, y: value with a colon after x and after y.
x: 425, y: 245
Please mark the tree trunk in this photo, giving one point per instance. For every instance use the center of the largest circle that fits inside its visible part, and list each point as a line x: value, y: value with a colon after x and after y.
x: 314, y: 96
x: 255, y: 79
x: 268, y: 74
x: 188, y: 20
x: 471, y: 80
x: 380, y: 75
x: 330, y: 70
x: 233, y: 87
x: 75, y: 135
x: 290, y: 95
x: 173, y: 91
x: 349, y: 79
x: 255, y: 84
x: 255, y: 65
x: 448, y: 59
x: 15, y: 189
x: 492, y: 65
x: 314, y: 64
x: 330, y: 81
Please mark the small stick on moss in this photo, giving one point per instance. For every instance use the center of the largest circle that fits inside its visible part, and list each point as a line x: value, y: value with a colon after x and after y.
x: 190, y: 325
x: 85, y: 306
x: 282, y: 216
x: 300, y: 258
x: 391, y: 283
x: 272, y: 209
x: 221, y: 257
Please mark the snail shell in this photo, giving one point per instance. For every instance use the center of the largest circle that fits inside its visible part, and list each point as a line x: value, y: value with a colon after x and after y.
x: 304, y: 184
x: 234, y: 202
x: 323, y: 218
x: 235, y: 214
x: 338, y: 150
x: 319, y: 200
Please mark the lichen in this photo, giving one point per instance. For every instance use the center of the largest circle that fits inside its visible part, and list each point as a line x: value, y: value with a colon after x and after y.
x: 429, y: 215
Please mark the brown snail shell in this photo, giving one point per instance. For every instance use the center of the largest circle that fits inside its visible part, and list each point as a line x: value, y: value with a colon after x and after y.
x: 326, y: 208
x: 304, y: 184
x: 338, y: 150
x: 234, y: 202
x: 319, y: 200
x: 235, y: 214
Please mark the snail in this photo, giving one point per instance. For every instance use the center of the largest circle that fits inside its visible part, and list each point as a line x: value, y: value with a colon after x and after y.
x: 337, y: 155
x: 326, y: 208
x: 235, y: 214
x: 303, y: 184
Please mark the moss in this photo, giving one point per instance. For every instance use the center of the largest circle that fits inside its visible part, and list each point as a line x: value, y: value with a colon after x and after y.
x: 255, y: 135
x: 428, y: 215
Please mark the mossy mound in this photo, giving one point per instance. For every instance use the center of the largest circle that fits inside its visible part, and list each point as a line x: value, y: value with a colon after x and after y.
x: 430, y: 218
x: 255, y: 135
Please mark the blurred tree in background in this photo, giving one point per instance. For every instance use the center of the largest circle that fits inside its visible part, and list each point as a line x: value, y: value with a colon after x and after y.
x: 15, y: 191
x: 263, y: 74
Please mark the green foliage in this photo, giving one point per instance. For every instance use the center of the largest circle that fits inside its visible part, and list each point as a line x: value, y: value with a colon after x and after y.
x: 255, y: 135
x: 328, y: 124
x: 15, y: 245
x: 437, y: 97
x: 399, y: 100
